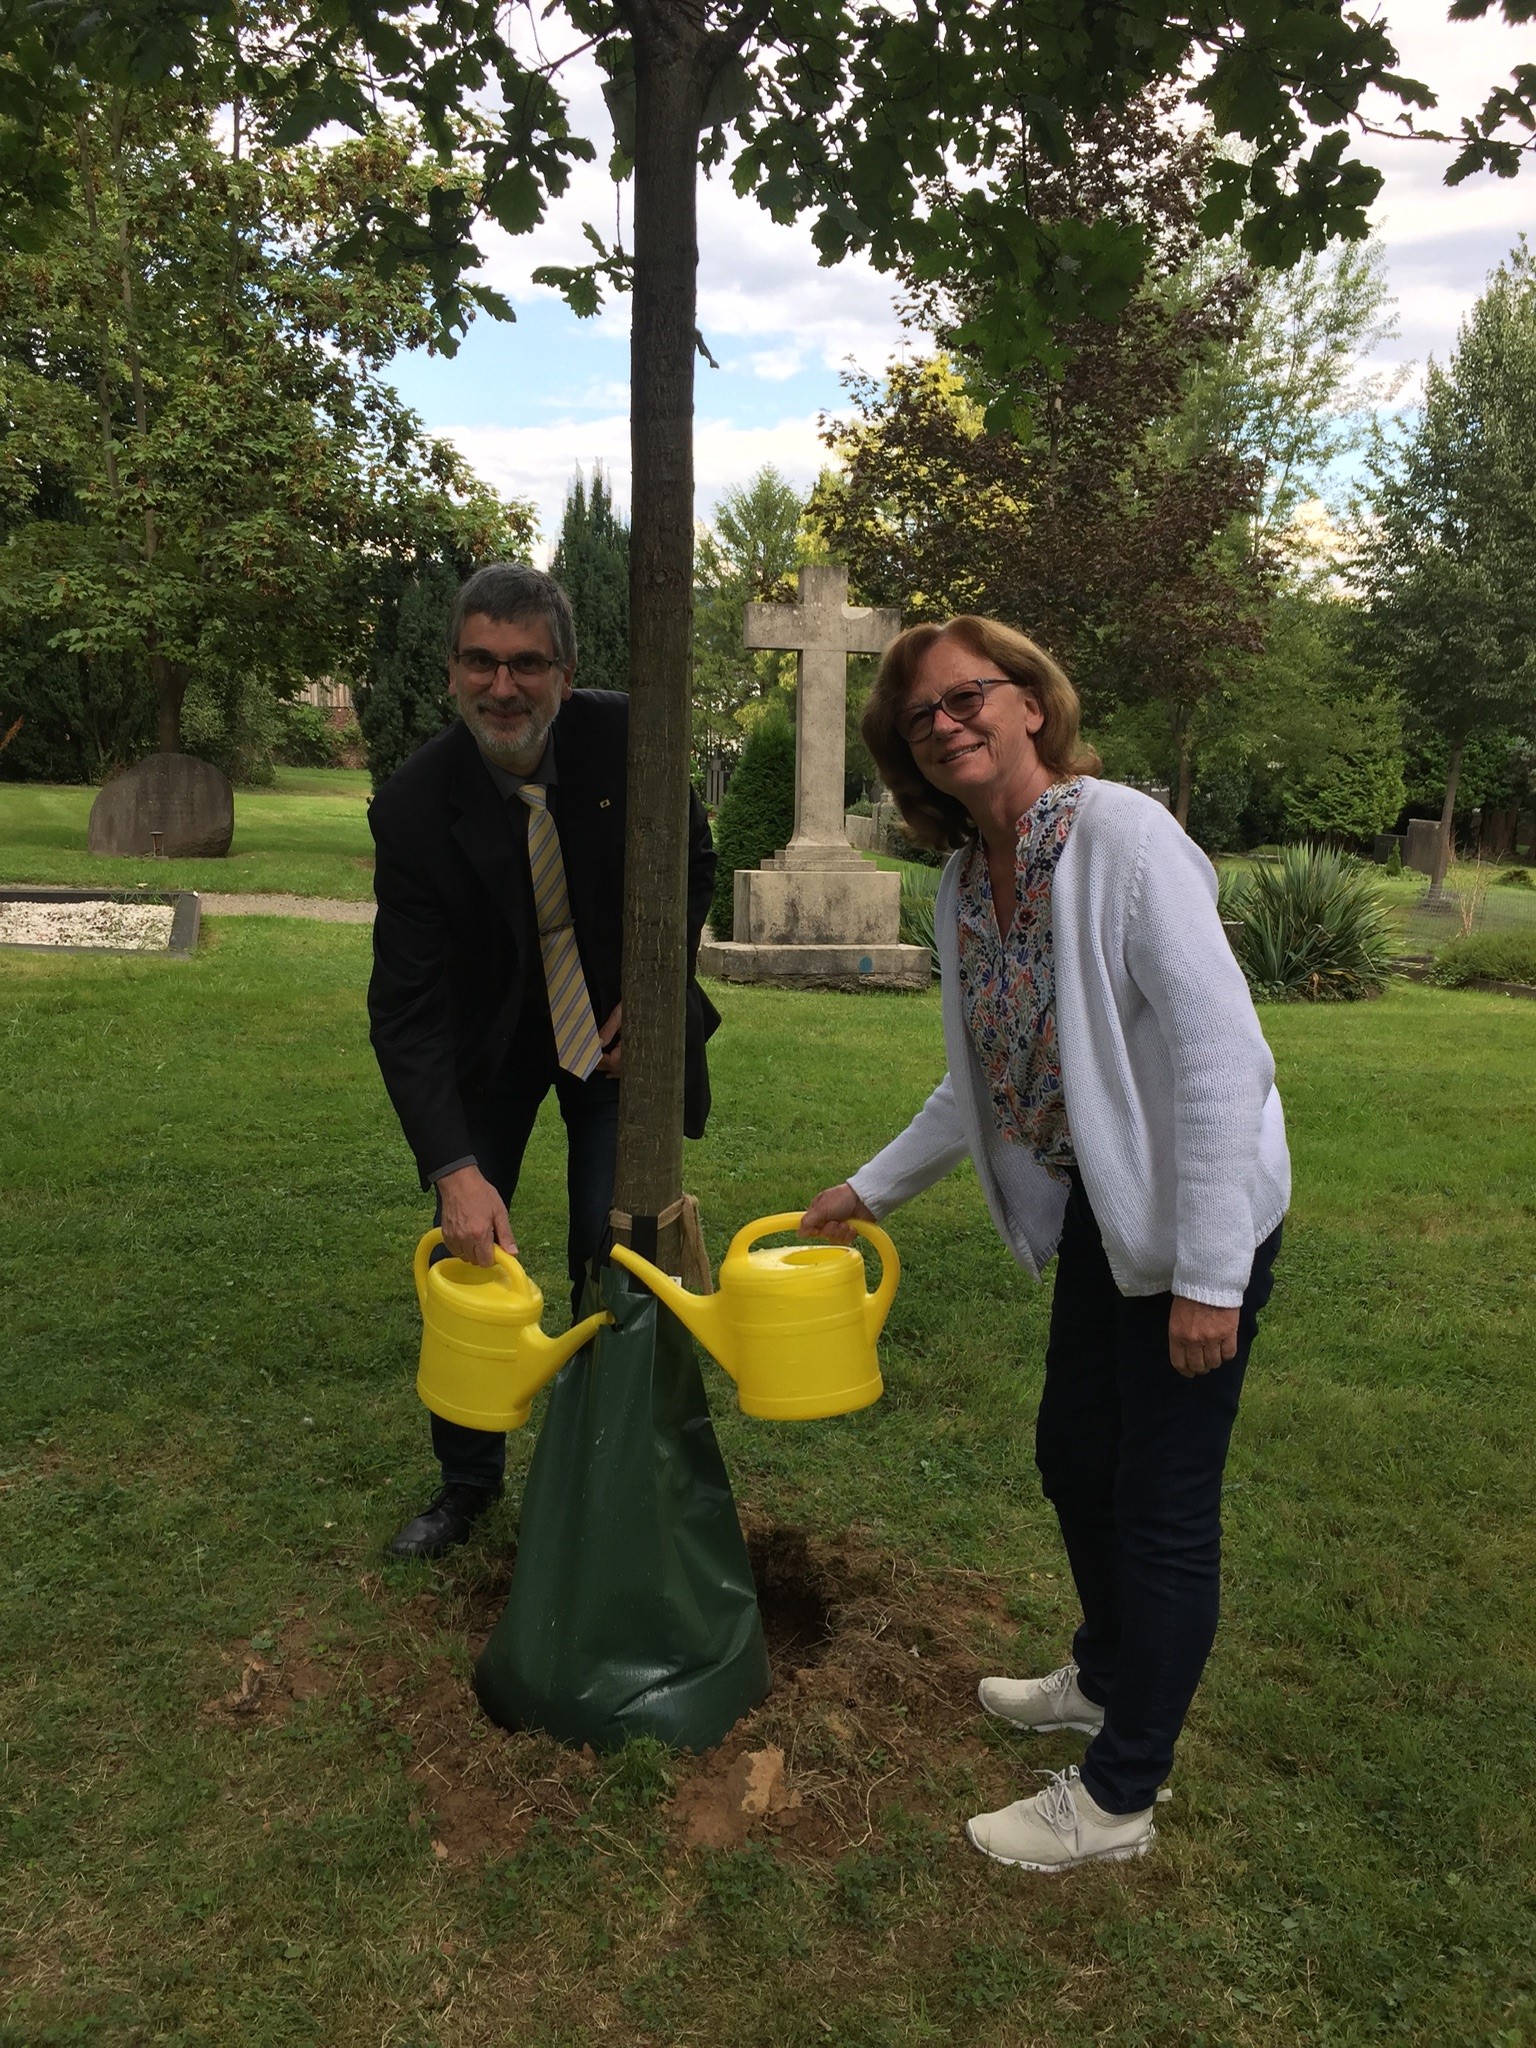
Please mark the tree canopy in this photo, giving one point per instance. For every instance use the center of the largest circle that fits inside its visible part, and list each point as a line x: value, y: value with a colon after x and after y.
x: 1450, y: 561
x: 204, y: 467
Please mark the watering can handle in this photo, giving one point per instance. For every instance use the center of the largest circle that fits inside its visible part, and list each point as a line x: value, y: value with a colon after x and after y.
x: 423, y: 1259
x: 430, y: 1243
x: 879, y: 1302
x: 765, y: 1226
x: 878, y: 1305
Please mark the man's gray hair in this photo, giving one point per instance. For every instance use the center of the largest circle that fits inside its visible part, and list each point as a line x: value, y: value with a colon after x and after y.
x: 511, y: 592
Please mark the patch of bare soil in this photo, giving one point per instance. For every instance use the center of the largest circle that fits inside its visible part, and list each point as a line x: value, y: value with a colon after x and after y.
x: 875, y: 1665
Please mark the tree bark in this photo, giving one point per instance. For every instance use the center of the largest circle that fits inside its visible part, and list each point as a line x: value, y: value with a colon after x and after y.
x: 1447, y: 825
x: 668, y: 38
x: 1181, y: 741
x: 170, y: 681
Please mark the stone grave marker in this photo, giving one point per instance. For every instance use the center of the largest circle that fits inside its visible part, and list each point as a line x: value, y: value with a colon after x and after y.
x: 815, y: 913
x: 1420, y: 845
x: 165, y: 804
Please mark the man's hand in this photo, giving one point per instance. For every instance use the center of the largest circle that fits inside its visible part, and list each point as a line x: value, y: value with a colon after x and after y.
x: 474, y: 1217
x: 832, y: 1213
x: 1200, y: 1337
x: 609, y: 1039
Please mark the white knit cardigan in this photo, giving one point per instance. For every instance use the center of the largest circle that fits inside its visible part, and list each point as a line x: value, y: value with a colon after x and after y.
x: 1169, y: 1085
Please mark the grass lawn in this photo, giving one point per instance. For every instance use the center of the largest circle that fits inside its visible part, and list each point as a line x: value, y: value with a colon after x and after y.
x: 307, y: 835
x: 240, y: 1776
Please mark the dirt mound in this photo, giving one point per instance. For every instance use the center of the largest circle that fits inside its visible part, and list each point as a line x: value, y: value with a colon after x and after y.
x: 875, y: 1665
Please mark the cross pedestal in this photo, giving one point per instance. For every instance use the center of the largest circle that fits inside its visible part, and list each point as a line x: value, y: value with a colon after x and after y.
x: 816, y: 914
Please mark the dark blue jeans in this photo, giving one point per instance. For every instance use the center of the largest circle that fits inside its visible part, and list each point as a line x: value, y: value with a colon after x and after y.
x: 500, y: 1128
x: 1131, y: 1457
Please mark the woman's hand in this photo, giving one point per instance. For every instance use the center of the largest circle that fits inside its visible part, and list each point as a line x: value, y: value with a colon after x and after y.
x: 1199, y: 1337
x: 832, y: 1213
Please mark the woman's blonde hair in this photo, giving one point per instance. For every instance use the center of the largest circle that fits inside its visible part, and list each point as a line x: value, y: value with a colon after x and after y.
x: 932, y: 818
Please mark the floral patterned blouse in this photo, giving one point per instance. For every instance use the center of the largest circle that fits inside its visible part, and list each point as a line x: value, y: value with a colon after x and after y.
x: 1008, y: 982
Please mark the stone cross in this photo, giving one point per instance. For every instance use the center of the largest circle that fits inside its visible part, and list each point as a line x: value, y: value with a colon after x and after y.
x: 822, y: 630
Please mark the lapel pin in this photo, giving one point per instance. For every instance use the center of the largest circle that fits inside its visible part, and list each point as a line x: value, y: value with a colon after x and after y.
x: 602, y: 803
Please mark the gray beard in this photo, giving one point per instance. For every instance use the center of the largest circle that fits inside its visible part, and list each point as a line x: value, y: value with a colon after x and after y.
x: 518, y: 756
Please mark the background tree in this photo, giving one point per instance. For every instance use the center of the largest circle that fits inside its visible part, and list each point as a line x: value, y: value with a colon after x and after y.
x: 748, y: 553
x: 1289, y: 395
x: 843, y: 113
x: 1069, y: 503
x: 1449, y: 563
x: 203, y: 463
x: 591, y: 559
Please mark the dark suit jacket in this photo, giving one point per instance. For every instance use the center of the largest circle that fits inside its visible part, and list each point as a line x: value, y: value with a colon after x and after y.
x: 456, y: 935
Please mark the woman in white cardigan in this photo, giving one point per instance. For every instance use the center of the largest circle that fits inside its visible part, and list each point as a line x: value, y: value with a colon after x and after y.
x: 1109, y: 1079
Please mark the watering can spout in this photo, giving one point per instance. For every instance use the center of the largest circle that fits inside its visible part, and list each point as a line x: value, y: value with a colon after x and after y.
x: 702, y: 1315
x: 544, y: 1356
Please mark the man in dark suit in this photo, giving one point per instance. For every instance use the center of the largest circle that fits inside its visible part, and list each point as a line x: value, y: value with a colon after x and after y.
x: 497, y: 953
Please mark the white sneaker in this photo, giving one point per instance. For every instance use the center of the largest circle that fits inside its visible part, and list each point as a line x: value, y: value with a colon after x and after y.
x: 1060, y: 1828
x: 1043, y: 1704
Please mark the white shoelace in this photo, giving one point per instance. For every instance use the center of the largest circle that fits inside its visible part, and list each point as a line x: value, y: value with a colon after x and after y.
x: 1055, y: 1804
x: 1058, y: 1680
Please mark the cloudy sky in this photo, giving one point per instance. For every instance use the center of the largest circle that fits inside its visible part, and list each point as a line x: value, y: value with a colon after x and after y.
x: 530, y: 402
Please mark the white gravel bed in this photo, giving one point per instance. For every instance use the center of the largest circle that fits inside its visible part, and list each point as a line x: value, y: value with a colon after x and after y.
x: 134, y: 927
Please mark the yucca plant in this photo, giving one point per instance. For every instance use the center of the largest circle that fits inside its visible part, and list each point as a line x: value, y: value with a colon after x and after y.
x: 919, y: 888
x: 1313, y: 928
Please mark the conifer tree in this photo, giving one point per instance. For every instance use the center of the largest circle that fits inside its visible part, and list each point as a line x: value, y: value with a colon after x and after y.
x: 592, y: 561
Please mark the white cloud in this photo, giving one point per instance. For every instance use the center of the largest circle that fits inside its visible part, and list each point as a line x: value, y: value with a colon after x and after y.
x: 725, y: 454
x: 538, y: 462
x: 774, y: 365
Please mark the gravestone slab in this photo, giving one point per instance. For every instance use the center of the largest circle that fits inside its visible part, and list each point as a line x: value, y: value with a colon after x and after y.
x: 1421, y: 844
x: 165, y: 804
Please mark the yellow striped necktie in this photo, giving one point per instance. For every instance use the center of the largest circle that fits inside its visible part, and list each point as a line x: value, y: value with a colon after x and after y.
x: 577, y: 1046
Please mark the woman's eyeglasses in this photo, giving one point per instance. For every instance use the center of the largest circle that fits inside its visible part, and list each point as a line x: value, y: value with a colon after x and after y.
x: 482, y: 664
x: 961, y: 702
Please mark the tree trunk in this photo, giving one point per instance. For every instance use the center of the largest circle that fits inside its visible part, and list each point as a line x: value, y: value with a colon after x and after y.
x: 669, y: 102
x: 1181, y: 742
x: 1447, y: 825
x: 170, y: 680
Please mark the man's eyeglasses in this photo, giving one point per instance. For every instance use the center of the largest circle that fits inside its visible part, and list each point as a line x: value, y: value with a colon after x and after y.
x: 480, y: 663
x: 961, y: 702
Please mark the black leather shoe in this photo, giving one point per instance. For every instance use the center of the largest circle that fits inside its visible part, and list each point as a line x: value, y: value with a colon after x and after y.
x: 443, y: 1522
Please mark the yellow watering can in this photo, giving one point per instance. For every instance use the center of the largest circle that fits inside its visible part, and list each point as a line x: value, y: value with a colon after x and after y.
x: 794, y: 1327
x: 483, y: 1355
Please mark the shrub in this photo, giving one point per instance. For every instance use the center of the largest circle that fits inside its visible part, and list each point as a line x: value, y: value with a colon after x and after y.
x: 1313, y: 928
x: 1516, y: 878
x: 902, y: 848
x: 1488, y: 956
x: 306, y: 737
x: 1394, y: 861
x: 757, y: 812
x: 235, y: 722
